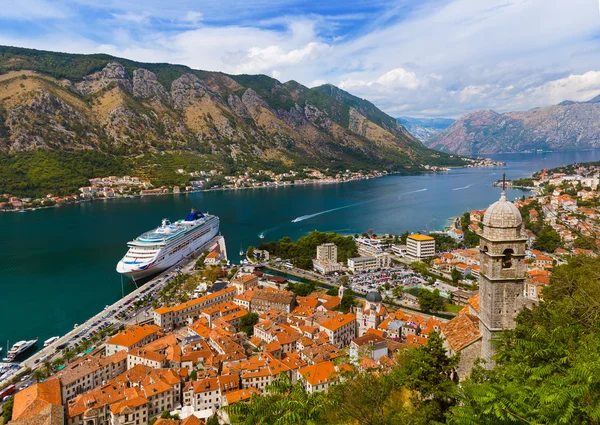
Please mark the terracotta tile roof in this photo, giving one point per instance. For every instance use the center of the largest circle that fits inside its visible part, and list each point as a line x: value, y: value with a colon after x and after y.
x: 332, y: 303
x: 367, y: 339
x: 191, y: 420
x: 133, y: 334
x: 338, y: 322
x: 415, y: 340
x: 461, y: 331
x: 241, y: 395
x: 196, y: 301
x: 318, y: 373
x: 134, y: 402
x: 474, y: 302
x: 378, y: 332
x: 34, y: 400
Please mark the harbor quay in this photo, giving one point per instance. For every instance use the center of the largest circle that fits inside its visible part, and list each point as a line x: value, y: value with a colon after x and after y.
x: 106, y: 317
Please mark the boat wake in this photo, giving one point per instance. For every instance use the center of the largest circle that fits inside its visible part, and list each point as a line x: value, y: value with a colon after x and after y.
x: 408, y: 193
x: 263, y: 233
x: 464, y: 187
x: 306, y: 217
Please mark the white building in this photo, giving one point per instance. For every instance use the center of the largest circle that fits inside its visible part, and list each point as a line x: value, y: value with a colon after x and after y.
x: 327, y: 252
x: 369, y: 263
x: 419, y: 247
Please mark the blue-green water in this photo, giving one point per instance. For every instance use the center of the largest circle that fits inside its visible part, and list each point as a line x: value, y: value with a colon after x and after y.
x: 57, y: 266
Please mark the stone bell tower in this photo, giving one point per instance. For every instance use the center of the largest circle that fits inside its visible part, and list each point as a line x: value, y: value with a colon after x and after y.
x: 503, y: 270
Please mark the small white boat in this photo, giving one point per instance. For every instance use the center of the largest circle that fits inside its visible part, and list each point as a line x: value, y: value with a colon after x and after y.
x: 51, y: 340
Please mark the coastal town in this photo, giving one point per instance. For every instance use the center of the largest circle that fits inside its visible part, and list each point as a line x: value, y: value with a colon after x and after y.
x: 114, y: 187
x: 214, y: 335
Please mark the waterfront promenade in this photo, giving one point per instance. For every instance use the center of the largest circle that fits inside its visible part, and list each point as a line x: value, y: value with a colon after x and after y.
x: 107, y: 316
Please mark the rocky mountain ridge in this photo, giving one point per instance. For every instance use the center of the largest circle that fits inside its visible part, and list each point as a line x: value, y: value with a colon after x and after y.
x: 62, y: 102
x: 425, y: 128
x: 566, y: 126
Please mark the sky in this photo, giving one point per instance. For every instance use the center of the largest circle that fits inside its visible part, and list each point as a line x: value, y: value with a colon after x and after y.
x: 420, y: 58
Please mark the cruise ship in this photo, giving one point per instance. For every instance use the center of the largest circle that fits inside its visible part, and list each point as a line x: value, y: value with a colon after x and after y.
x: 20, y: 348
x: 161, y: 248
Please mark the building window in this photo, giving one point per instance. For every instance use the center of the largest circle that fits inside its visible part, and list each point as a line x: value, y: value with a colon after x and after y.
x: 507, y: 258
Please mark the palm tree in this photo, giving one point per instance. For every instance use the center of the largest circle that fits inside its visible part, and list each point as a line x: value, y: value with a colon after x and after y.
x: 48, y: 368
x: 38, y: 375
x: 68, y: 355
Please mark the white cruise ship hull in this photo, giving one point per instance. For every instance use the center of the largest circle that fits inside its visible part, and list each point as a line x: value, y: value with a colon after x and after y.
x: 149, y: 256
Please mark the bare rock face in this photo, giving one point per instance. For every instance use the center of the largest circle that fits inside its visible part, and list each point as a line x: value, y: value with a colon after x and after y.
x: 237, y: 106
x: 252, y: 100
x: 113, y: 73
x: 146, y: 86
x: 188, y: 88
x: 47, y: 122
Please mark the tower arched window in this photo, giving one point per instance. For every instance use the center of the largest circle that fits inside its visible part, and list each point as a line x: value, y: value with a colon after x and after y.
x: 507, y: 260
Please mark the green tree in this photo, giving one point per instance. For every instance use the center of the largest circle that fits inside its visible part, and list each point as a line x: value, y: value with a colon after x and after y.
x: 348, y: 301
x: 344, y: 280
x: 431, y: 300
x: 429, y: 373
x: 456, y: 275
x: 282, y: 403
x: 247, y: 323
x: 419, y: 267
x: 332, y: 292
x: 547, y: 239
x: 213, y: 420
x: 547, y: 368
x: 7, y: 409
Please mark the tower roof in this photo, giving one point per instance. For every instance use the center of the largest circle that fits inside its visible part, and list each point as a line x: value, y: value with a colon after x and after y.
x: 502, y: 214
x: 374, y: 297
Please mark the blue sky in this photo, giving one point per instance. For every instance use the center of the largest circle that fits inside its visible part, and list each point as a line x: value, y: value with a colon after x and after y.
x: 416, y: 58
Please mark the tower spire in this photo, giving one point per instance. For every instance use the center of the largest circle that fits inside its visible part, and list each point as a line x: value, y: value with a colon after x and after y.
x: 503, y: 194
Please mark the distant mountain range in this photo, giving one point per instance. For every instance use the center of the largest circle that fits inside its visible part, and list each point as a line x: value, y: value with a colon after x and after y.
x: 57, y: 102
x: 425, y: 128
x: 566, y: 126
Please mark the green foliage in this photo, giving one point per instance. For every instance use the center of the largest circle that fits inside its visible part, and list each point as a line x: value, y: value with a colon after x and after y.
x: 547, y: 239
x: 526, y: 182
x: 213, y: 420
x: 585, y: 243
x: 301, y: 289
x: 348, y: 301
x: 282, y: 403
x: 548, y: 367
x: 431, y: 300
x: 419, y: 390
x: 7, y: 409
x: 301, y: 252
x: 419, y: 267
x: 456, y: 275
x: 38, y: 173
x: 247, y: 323
x: 332, y: 292
x: 470, y: 238
x: 444, y: 242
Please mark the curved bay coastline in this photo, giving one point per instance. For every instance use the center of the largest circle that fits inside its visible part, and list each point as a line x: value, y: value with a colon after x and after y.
x: 57, y: 265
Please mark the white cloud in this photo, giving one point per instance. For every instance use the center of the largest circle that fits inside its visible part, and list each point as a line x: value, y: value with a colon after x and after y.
x: 132, y: 17
x: 264, y: 59
x: 574, y: 87
x: 438, y: 58
x: 193, y: 17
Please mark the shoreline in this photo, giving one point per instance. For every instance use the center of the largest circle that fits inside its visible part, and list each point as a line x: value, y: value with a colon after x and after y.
x: 275, y: 186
